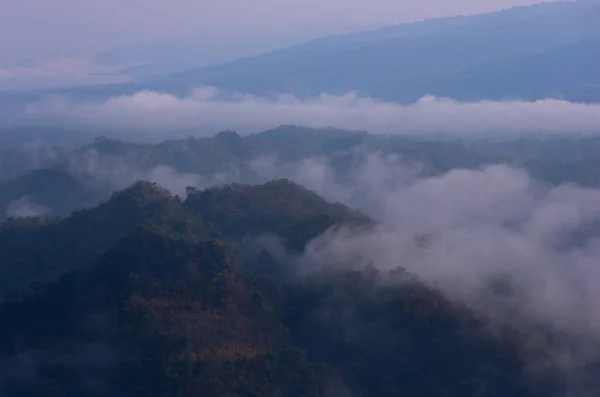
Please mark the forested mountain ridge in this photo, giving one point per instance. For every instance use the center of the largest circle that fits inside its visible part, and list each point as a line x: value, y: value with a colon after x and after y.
x: 41, y: 250
x: 90, y: 173
x: 151, y: 304
x: 172, y: 319
x: 93, y: 171
x: 453, y: 250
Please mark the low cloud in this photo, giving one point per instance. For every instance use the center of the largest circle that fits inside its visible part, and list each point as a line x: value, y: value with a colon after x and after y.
x: 110, y: 173
x: 363, y: 185
x: 464, y: 232
x: 26, y: 157
x: 470, y: 233
x: 25, y: 207
x: 97, y: 175
x: 461, y: 230
x: 210, y: 109
x: 57, y: 72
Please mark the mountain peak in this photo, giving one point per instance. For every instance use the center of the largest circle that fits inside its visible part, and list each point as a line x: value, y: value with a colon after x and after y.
x: 144, y: 191
x: 405, y: 62
x: 228, y: 134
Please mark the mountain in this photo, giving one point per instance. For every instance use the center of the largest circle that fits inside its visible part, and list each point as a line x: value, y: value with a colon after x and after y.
x: 167, y: 309
x: 154, y: 317
x: 161, y: 57
x: 60, y: 181
x: 461, y: 57
x: 37, y: 249
x: 570, y: 72
x: 485, y: 56
x: 54, y: 182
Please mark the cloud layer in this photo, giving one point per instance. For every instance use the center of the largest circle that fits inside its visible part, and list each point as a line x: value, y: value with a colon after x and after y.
x: 462, y: 231
x: 492, y: 238
x: 495, y: 239
x: 206, y: 110
x: 24, y: 207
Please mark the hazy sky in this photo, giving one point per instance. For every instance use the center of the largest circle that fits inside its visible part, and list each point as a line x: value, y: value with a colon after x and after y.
x: 43, y: 29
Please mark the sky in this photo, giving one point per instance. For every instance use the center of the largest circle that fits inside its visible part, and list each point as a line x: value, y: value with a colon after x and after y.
x: 54, y: 29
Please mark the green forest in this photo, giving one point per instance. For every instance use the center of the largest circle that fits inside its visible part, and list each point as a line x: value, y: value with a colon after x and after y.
x: 149, y: 294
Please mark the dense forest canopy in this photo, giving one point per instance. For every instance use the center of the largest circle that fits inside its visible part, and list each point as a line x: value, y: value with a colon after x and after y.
x: 233, y: 265
x: 90, y: 172
x: 424, y: 221
x: 153, y: 302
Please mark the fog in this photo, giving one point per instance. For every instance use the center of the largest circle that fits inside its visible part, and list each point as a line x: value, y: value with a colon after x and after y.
x: 107, y: 174
x: 155, y: 114
x: 24, y: 207
x: 463, y: 231
x: 512, y: 248
x: 494, y: 239
x: 110, y: 174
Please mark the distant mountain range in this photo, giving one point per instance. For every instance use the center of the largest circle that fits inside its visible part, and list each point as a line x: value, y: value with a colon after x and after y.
x: 544, y: 50
x: 162, y: 57
x: 547, y: 50
x: 55, y: 183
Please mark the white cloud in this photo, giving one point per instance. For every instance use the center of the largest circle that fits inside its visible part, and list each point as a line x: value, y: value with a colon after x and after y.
x: 203, y: 108
x: 25, y: 207
x: 108, y: 173
x: 481, y: 226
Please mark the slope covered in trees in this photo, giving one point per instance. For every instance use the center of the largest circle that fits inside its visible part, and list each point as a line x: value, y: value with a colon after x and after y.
x: 157, y: 298
x: 90, y: 173
x: 37, y: 249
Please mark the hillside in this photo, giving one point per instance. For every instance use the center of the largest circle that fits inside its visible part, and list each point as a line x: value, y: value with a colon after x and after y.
x: 162, y: 312
x: 570, y: 72
x: 89, y: 174
x: 203, y: 48
x: 176, y: 320
x: 93, y: 171
x: 404, y: 63
x: 35, y: 249
x: 463, y: 57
